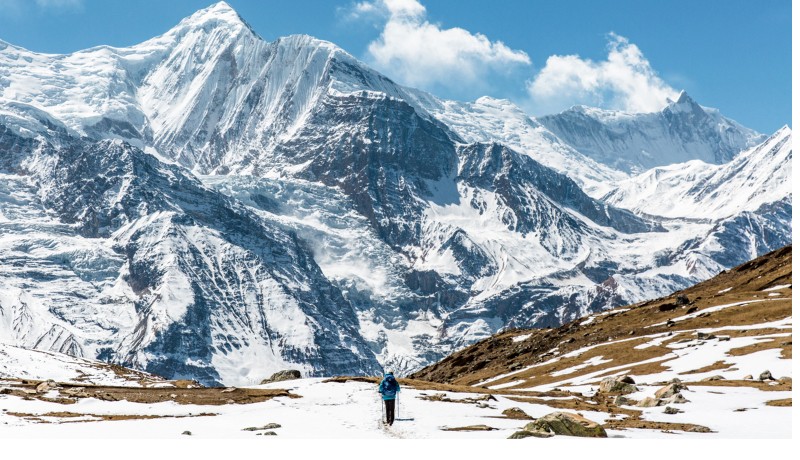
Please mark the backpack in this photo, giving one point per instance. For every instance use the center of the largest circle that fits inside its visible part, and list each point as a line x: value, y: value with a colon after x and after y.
x: 389, y: 386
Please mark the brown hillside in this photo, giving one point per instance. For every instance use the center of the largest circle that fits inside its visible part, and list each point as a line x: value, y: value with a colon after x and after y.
x: 501, y: 354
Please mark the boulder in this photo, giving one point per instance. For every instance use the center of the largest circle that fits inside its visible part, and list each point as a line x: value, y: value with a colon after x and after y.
x: 672, y: 410
x: 669, y: 390
x: 713, y: 378
x: 517, y: 414
x: 705, y: 336
x: 677, y: 398
x: 624, y: 401
x: 187, y: 433
x: 527, y: 434
x: 291, y: 374
x: 766, y: 375
x: 649, y: 402
x: 567, y: 424
x: 46, y: 386
x: 616, y: 385
x: 748, y: 377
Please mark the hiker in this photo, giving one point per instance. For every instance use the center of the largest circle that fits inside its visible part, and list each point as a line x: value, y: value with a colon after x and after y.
x: 388, y: 388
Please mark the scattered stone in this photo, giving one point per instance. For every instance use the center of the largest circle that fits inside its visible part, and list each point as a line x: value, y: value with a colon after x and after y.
x: 766, y: 375
x: 713, y: 378
x: 670, y: 323
x: 785, y: 380
x: 269, y: 433
x: 567, y: 424
x: 570, y: 340
x: 741, y: 409
x: 682, y: 299
x: 667, y: 307
x: 517, y: 414
x: 627, y: 379
x: 527, y: 434
x: 187, y: 433
x: 671, y: 410
x: 470, y: 428
x: 676, y: 399
x: 624, y: 401
x: 483, y: 405
x: 669, y: 390
x: 268, y: 426
x: 46, y: 386
x: 705, y: 336
x: 748, y: 377
x: 291, y: 374
x: 632, y: 333
x: 699, y: 429
x: 228, y: 390
x: 724, y: 338
x: 616, y: 385
x: 649, y: 402
x: 691, y: 310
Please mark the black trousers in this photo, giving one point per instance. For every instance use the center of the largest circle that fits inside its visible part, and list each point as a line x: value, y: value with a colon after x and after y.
x: 389, y: 410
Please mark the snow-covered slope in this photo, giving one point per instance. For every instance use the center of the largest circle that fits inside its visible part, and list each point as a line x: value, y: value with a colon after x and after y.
x: 349, y: 222
x: 700, y: 190
x: 728, y: 344
x: 632, y: 143
x: 135, y: 261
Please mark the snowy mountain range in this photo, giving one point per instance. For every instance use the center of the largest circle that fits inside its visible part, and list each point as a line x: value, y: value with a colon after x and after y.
x: 213, y: 206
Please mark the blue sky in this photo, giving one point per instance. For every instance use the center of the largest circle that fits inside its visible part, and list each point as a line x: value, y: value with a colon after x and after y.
x: 622, y: 54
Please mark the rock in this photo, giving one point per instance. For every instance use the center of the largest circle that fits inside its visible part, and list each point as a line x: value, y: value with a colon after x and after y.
x: 713, y: 378
x: 228, y: 390
x: 672, y: 410
x: 691, y: 310
x: 649, y: 402
x: 187, y: 433
x: 677, y: 398
x: 46, y: 386
x: 724, y: 338
x: 527, y: 434
x: 748, y: 377
x: 785, y: 380
x: 517, y: 414
x: 291, y: 374
x: 699, y: 429
x: 682, y: 299
x: 705, y: 336
x: 616, y: 385
x: 268, y: 426
x: 269, y: 433
x: 766, y: 375
x: 627, y: 379
x: 669, y: 390
x: 624, y: 401
x: 567, y: 424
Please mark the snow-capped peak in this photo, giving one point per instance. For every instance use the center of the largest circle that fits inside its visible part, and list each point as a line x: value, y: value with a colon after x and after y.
x: 218, y: 14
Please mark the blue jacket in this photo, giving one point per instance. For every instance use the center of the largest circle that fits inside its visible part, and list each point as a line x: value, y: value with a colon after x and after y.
x: 388, y: 387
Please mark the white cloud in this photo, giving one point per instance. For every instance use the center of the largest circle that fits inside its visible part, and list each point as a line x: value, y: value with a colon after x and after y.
x: 59, y: 4
x: 418, y: 53
x: 624, y: 81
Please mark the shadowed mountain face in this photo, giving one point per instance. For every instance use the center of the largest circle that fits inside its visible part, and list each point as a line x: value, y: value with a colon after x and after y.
x: 210, y: 205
